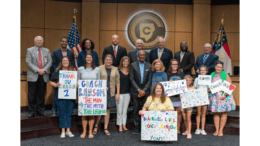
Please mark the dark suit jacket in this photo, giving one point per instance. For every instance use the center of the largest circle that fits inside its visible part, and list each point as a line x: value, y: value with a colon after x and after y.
x: 135, y: 78
x: 187, y: 61
x: 210, y: 61
x: 133, y: 57
x: 57, y: 55
x: 121, y: 52
x: 165, y: 58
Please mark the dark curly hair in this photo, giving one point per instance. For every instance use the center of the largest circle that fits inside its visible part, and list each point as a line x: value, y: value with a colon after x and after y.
x: 83, y: 44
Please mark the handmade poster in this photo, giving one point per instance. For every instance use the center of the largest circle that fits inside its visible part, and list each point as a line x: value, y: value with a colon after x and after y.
x: 204, y: 79
x: 216, y: 86
x: 159, y: 126
x: 194, y: 98
x: 174, y: 87
x: 68, y: 87
x: 92, y: 97
x: 228, y: 87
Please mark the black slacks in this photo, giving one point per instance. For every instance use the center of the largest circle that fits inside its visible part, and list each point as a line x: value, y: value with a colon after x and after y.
x: 36, y: 92
x: 138, y: 105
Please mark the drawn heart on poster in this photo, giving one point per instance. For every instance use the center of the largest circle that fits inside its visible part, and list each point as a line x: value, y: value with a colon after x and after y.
x: 142, y: 115
x: 231, y: 87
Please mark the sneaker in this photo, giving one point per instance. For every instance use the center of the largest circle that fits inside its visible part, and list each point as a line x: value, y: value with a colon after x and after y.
x: 203, y: 132
x: 69, y: 134
x: 197, y: 131
x: 62, y: 135
x: 189, y: 136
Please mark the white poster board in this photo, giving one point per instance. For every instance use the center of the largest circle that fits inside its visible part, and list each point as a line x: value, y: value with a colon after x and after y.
x: 228, y: 87
x: 68, y: 87
x: 216, y: 86
x: 194, y: 98
x: 159, y: 126
x: 204, y: 79
x: 174, y: 87
x: 92, y: 97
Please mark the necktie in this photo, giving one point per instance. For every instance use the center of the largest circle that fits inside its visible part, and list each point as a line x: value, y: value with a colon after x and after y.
x: 40, y: 59
x: 182, y: 54
x: 160, y: 54
x: 204, y: 58
x: 115, y: 51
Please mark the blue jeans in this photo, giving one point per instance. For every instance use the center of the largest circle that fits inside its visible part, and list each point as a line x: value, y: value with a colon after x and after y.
x: 54, y: 104
x: 65, y: 108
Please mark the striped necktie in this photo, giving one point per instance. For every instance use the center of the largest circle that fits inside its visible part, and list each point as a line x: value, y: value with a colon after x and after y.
x: 40, y: 59
x: 205, y: 58
x: 160, y: 54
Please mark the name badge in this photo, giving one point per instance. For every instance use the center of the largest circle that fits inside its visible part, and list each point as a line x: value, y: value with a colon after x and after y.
x: 45, y: 59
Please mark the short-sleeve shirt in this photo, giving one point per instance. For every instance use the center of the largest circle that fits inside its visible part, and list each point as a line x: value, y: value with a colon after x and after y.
x: 156, y: 105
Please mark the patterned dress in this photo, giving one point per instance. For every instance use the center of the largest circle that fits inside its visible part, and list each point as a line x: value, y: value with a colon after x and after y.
x: 217, y: 105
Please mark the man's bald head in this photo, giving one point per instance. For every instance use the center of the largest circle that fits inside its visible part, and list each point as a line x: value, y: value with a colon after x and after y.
x: 115, y: 39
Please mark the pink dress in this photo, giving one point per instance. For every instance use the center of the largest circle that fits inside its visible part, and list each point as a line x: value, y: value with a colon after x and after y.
x: 224, y: 105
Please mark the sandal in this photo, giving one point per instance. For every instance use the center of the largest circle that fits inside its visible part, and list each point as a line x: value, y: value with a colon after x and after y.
x: 220, y: 135
x: 83, y: 135
x: 94, y: 132
x: 178, y: 131
x: 215, y: 134
x: 185, y: 133
x: 90, y: 136
x: 107, y: 133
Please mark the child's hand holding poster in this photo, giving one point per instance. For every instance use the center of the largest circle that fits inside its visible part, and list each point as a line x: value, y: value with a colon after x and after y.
x: 216, y: 86
x: 228, y: 87
x: 204, y: 79
x: 174, y: 87
x: 68, y: 88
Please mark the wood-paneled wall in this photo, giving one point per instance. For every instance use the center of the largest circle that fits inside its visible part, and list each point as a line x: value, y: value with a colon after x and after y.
x: 196, y: 24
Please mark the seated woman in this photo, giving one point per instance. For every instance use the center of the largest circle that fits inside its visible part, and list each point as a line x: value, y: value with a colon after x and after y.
x: 157, y: 101
x: 158, y: 73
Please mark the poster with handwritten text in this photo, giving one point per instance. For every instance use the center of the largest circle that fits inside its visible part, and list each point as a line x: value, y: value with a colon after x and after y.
x: 194, y: 98
x: 159, y: 126
x: 228, y: 87
x: 216, y: 86
x: 68, y: 87
x: 174, y: 87
x: 92, y: 97
x: 204, y: 79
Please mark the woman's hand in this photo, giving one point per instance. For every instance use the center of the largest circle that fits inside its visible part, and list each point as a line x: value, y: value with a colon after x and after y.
x: 117, y: 97
x: 140, y: 112
x: 222, y: 97
x: 162, y: 110
x: 171, y: 80
x: 57, y: 85
x: 106, y: 88
x: 77, y: 85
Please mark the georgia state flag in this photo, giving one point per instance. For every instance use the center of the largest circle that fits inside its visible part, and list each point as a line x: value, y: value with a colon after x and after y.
x: 221, y: 49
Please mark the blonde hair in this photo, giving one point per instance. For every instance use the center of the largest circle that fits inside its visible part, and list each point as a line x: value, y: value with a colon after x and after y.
x: 189, y: 76
x: 156, y: 61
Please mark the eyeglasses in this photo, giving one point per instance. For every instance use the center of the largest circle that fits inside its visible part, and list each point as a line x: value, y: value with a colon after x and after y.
x: 174, y: 64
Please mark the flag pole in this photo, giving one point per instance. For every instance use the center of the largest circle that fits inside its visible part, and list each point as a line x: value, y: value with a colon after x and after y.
x: 221, y: 35
x: 74, y: 17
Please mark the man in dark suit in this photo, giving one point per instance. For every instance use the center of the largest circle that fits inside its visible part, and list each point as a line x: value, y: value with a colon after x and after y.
x: 186, y: 58
x: 207, y: 59
x: 56, y: 57
x: 134, y: 53
x: 164, y: 54
x: 39, y: 61
x: 115, y: 50
x: 60, y: 52
x: 141, y: 79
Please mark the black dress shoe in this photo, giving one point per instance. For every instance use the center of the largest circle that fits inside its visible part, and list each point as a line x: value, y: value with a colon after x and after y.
x: 42, y: 114
x: 31, y: 115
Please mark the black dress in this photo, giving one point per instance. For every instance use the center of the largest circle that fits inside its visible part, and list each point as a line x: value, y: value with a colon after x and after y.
x: 111, y: 101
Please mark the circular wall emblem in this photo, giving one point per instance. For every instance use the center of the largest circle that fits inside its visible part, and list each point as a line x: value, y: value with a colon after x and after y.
x: 146, y: 26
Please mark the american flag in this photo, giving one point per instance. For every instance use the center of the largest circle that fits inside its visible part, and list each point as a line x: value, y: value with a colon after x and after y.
x: 74, y: 43
x: 220, y: 47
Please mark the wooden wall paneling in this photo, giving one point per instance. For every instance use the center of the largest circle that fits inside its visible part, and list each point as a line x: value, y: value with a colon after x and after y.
x: 59, y: 14
x: 169, y: 41
x: 90, y: 22
x: 184, y: 18
x: 202, y: 1
x: 201, y: 27
x: 23, y: 65
x: 27, y: 38
x: 108, y: 16
x: 236, y: 94
x: 32, y: 13
x: 231, y: 17
x: 24, y: 93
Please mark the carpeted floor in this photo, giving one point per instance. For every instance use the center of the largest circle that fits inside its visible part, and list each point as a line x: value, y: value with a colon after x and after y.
x: 128, y: 139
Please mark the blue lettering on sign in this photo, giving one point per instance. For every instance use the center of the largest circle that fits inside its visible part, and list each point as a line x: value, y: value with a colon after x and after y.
x: 91, y: 84
x: 100, y: 84
x: 80, y: 90
x: 83, y: 84
x: 66, y: 95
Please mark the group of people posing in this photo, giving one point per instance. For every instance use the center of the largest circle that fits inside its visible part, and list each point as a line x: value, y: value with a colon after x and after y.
x: 132, y: 77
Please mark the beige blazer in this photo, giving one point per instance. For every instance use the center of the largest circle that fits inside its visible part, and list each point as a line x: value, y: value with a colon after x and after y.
x: 114, y: 78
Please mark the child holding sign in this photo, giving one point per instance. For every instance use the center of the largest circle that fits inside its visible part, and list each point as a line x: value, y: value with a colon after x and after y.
x: 187, y: 112
x: 201, y: 110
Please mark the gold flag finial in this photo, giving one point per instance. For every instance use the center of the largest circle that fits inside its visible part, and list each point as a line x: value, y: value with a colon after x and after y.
x: 222, y: 20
